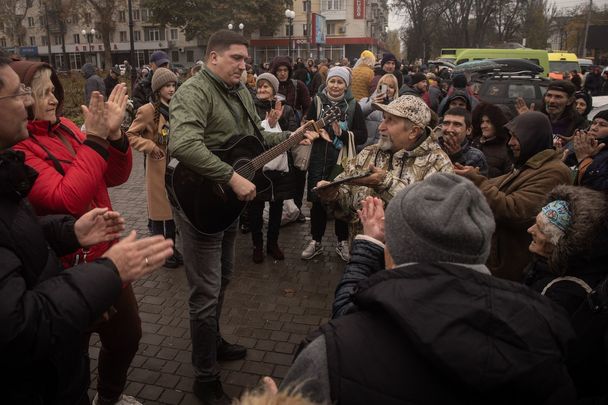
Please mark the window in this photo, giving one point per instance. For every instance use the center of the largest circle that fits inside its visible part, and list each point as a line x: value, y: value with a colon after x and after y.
x: 76, y: 38
x: 288, y: 29
x: 42, y: 21
x: 3, y: 42
x: 333, y: 4
x: 153, y: 35
x: 87, y: 18
x: 305, y: 30
x: 173, y: 33
x: 44, y: 40
x: 144, y: 14
x: 305, y: 5
x: 331, y: 28
x: 123, y: 36
x: 32, y: 41
x: 136, y: 36
x: 122, y: 17
x: 75, y: 19
x: 1, y: 26
x: 189, y: 56
x: 57, y: 39
x: 136, y: 15
x: 174, y: 56
x: 30, y: 22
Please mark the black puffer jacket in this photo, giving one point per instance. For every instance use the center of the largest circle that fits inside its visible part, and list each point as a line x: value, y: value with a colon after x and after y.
x: 283, y: 184
x: 44, y: 310
x: 441, y: 333
x: 580, y: 253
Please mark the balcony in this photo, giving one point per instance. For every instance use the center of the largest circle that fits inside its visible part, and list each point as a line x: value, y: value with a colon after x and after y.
x: 334, y: 15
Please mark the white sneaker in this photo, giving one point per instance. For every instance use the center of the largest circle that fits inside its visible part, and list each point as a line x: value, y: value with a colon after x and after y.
x: 343, y: 250
x: 123, y: 400
x: 313, y: 249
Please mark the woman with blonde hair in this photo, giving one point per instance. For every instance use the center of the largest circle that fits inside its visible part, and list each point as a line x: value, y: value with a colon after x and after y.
x: 149, y: 134
x: 363, y: 74
x: 386, y: 91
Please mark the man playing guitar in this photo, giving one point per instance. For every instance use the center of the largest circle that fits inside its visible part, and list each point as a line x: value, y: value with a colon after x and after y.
x: 205, y: 113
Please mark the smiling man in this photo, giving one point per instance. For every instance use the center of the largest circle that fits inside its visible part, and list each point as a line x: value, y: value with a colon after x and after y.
x: 205, y: 112
x: 406, y: 153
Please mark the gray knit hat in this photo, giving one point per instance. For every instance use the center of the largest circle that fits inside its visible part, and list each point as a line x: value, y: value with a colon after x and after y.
x: 161, y: 77
x: 444, y: 218
x: 341, y: 72
x: 270, y: 78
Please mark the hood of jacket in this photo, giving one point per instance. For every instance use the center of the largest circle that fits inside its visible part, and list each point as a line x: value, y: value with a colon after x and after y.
x: 281, y: 61
x: 16, y: 178
x: 583, y: 246
x: 534, y: 133
x: 482, y: 331
x: 26, y: 70
x: 457, y: 94
x: 88, y: 70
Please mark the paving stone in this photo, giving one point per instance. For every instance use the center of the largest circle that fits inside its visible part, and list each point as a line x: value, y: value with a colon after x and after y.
x: 167, y: 381
x: 143, y: 375
x: 284, y: 347
x: 171, y: 397
x: 150, y: 392
x: 256, y: 367
x: 278, y: 358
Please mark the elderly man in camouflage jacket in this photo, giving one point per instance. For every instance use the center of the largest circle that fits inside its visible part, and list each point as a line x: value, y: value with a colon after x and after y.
x: 406, y: 153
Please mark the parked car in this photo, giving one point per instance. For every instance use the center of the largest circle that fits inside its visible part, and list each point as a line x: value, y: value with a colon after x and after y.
x: 505, y: 88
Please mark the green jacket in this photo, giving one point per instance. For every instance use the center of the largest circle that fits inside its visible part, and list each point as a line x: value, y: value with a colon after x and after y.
x: 204, y: 114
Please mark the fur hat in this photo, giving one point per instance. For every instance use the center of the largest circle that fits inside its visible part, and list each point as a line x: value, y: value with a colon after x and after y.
x: 444, y: 218
x: 161, y: 77
x: 587, y: 235
x: 270, y: 78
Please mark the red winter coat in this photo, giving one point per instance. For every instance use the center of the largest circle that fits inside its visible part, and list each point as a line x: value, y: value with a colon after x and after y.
x: 87, y: 175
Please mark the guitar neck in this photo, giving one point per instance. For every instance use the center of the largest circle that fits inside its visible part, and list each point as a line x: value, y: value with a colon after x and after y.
x: 283, y: 147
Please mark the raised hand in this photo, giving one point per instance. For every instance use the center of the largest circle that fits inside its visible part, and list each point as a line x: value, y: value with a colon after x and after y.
x: 371, y: 215
x: 115, y: 107
x: 98, y: 225
x: 95, y: 116
x: 522, y: 107
x: 585, y: 145
x: 135, y: 258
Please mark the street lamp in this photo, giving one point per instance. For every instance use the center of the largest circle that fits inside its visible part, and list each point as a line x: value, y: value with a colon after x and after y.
x: 290, y: 15
x: 88, y: 34
x: 241, y: 27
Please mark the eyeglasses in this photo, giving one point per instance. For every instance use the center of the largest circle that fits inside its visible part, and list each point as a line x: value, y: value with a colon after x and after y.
x: 23, y: 92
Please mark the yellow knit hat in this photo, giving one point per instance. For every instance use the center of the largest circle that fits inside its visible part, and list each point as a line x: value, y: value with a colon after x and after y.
x: 367, y: 54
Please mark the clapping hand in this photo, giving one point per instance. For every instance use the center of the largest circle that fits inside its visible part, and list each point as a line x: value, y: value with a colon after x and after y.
x: 371, y: 215
x: 95, y: 116
x: 115, y: 109
x: 451, y: 145
x: 98, y: 225
x: 465, y: 171
x: 522, y: 107
x: 585, y: 145
x: 273, y: 115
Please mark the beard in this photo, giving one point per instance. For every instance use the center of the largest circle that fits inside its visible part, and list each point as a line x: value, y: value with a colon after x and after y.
x: 385, y: 143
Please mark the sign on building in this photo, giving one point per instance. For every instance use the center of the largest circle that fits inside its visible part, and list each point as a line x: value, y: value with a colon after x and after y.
x: 319, y: 29
x: 359, y: 10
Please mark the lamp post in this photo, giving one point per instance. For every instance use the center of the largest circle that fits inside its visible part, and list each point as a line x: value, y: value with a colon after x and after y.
x: 241, y: 27
x: 290, y: 15
x: 88, y: 35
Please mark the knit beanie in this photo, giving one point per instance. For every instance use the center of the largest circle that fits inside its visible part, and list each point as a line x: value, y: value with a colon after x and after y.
x: 444, y: 218
x: 387, y: 57
x: 270, y: 78
x: 459, y: 81
x: 417, y: 78
x: 341, y: 72
x: 562, y: 85
x: 602, y: 114
x: 161, y: 77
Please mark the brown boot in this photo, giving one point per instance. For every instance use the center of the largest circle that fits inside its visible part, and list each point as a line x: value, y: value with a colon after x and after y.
x: 273, y: 250
x: 258, y: 254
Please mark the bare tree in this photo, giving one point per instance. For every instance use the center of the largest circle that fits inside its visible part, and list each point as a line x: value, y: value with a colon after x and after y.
x: 484, y: 10
x: 105, y: 25
x: 456, y: 17
x: 12, y: 13
x: 508, y: 19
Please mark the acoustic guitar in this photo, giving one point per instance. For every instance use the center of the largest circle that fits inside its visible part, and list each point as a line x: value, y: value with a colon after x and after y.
x: 211, y: 207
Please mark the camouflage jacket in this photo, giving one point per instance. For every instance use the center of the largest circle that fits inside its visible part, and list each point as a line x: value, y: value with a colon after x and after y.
x: 403, y: 168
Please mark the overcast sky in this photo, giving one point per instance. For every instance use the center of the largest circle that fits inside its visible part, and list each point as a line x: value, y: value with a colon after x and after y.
x: 394, y: 21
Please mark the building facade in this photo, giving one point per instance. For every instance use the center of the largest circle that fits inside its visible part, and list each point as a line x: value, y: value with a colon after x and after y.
x: 330, y: 29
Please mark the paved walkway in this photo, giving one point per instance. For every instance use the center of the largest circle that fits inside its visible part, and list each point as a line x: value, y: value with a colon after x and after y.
x: 269, y: 308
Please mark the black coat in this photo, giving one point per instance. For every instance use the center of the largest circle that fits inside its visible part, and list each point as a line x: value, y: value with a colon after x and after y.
x: 324, y: 155
x: 442, y: 333
x: 497, y: 155
x: 44, y: 310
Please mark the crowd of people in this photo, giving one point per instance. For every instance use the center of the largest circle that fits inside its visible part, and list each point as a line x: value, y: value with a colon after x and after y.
x: 474, y: 235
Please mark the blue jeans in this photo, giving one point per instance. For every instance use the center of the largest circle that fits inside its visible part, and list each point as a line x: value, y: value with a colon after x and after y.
x: 209, y: 262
